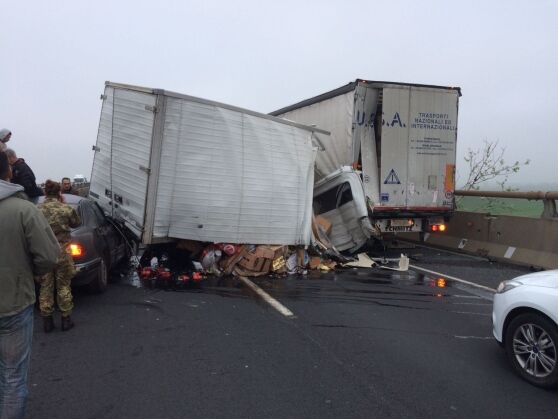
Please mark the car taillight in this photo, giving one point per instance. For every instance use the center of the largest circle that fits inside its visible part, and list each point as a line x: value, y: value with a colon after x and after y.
x: 438, y: 227
x: 76, y: 250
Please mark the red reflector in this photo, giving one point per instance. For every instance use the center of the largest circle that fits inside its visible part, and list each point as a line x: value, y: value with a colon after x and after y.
x: 146, y: 273
x: 164, y: 274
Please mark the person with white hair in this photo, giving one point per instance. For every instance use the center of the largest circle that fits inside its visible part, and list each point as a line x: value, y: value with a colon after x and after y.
x: 5, y: 135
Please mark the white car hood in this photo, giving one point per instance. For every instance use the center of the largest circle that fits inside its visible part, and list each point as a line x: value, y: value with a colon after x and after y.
x: 547, y: 279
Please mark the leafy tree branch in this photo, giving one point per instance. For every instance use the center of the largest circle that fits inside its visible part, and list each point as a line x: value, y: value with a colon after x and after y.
x: 487, y: 164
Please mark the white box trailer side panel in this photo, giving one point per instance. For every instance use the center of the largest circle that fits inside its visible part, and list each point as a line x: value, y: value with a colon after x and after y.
x: 196, y: 169
x: 235, y: 177
x: 127, y: 146
x: 335, y: 115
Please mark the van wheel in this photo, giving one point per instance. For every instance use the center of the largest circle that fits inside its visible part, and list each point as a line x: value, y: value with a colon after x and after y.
x: 99, y: 285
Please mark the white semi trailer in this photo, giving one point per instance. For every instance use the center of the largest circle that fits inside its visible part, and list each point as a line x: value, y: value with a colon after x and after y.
x: 389, y: 164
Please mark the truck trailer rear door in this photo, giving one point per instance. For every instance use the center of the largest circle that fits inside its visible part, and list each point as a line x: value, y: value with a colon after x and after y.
x: 418, y: 146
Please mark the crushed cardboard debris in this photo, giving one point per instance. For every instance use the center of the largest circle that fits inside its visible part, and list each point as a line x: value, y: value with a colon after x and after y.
x: 190, y: 260
x: 363, y: 261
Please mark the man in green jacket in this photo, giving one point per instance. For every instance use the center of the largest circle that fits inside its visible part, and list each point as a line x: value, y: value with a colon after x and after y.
x: 28, y: 248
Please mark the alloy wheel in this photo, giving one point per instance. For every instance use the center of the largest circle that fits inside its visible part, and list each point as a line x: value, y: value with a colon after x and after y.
x: 534, y: 350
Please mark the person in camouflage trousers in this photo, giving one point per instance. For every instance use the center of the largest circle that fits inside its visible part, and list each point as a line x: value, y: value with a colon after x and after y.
x: 61, y: 218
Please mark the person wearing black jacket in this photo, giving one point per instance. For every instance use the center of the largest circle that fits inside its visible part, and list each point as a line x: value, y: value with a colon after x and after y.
x: 24, y: 176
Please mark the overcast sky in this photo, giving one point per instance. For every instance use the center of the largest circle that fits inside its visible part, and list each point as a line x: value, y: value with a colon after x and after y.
x: 261, y: 55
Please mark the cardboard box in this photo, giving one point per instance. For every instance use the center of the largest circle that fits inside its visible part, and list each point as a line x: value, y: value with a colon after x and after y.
x: 228, y: 264
x: 315, y: 262
x: 245, y: 272
x: 267, y: 265
x: 252, y: 262
x: 270, y: 252
x: 279, y: 264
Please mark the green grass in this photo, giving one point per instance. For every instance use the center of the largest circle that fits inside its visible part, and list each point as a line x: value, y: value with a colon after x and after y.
x: 501, y: 206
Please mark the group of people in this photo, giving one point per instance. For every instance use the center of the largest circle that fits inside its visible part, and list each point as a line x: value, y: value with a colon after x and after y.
x: 33, y: 247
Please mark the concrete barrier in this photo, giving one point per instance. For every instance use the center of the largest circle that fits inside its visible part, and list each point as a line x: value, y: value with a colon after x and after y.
x: 519, y: 240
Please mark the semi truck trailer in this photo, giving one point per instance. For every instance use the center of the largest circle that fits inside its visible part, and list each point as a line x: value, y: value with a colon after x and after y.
x: 388, y: 166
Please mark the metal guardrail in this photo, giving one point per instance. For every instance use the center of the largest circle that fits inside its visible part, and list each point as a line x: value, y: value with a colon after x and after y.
x: 548, y: 198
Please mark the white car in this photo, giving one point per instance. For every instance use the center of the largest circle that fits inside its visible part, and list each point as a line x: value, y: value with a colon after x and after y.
x: 525, y: 322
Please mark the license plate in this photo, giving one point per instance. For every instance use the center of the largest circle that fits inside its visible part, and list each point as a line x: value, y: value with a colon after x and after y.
x: 399, y: 222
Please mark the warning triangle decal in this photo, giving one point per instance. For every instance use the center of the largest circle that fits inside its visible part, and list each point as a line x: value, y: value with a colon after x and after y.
x: 392, y: 179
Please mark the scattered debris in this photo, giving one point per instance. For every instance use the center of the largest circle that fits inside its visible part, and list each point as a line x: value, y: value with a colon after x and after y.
x: 398, y: 264
x: 186, y: 263
x: 363, y: 261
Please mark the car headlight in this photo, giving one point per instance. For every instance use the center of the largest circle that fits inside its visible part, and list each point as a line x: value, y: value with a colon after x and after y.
x: 507, y: 285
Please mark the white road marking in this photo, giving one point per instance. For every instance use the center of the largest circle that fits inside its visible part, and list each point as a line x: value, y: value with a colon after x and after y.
x: 472, y: 313
x: 451, y: 252
x: 475, y: 337
x: 453, y: 278
x: 267, y: 298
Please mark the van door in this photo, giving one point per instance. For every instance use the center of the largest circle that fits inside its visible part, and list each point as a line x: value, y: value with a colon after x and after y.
x: 122, y: 155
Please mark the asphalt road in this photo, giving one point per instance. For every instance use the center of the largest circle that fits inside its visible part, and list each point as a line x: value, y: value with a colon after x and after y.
x: 364, y: 343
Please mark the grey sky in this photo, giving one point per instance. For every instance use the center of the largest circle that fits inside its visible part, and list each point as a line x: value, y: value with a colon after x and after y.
x: 263, y: 55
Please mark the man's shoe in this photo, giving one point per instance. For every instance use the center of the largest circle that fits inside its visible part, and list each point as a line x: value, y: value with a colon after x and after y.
x: 48, y: 324
x: 67, y: 323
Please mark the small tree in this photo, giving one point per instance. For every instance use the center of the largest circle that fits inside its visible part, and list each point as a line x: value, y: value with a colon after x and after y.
x: 488, y: 164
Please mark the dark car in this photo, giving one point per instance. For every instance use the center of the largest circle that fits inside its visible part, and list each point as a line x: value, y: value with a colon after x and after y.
x: 97, y: 247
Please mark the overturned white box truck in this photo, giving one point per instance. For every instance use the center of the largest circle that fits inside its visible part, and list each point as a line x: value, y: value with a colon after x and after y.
x: 171, y: 166
x: 389, y: 164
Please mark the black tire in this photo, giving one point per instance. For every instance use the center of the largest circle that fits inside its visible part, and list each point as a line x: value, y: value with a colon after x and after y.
x: 531, y: 344
x: 99, y: 285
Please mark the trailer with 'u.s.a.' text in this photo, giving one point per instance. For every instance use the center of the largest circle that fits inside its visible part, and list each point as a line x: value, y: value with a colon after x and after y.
x: 389, y: 165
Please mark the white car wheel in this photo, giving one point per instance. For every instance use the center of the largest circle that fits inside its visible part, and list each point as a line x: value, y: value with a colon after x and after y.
x: 531, y: 343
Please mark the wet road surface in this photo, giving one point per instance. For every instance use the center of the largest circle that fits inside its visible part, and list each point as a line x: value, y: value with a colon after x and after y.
x: 363, y: 343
